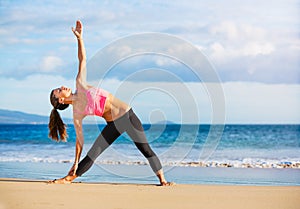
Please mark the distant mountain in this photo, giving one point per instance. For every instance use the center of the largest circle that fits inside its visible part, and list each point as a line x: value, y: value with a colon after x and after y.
x: 17, y: 117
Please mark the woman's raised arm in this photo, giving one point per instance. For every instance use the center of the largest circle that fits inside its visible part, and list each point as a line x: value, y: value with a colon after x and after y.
x: 81, y: 76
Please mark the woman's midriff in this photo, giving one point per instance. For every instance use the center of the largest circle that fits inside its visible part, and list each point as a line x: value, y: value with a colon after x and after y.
x: 114, y: 108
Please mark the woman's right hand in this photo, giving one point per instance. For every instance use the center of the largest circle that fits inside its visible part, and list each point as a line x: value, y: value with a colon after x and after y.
x: 78, y: 30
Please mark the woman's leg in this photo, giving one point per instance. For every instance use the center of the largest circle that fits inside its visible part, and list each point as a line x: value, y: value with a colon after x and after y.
x: 136, y: 132
x: 108, y: 135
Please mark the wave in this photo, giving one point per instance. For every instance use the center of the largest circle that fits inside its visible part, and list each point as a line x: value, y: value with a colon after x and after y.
x: 245, y: 163
x: 285, y: 164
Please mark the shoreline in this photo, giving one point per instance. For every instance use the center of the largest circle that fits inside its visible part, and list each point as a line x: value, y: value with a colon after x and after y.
x: 142, y: 174
x: 27, y: 194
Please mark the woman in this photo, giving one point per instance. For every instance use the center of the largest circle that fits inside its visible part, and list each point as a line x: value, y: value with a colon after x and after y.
x: 88, y: 100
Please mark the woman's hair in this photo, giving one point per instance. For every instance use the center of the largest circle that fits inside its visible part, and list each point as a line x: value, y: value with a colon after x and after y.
x: 56, y: 125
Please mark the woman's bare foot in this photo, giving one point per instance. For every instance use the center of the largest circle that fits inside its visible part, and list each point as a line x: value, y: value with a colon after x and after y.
x: 167, y: 183
x: 65, y: 180
x: 60, y: 181
x: 162, y: 180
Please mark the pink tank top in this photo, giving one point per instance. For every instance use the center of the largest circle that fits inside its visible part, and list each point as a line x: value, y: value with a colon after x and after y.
x: 96, y: 99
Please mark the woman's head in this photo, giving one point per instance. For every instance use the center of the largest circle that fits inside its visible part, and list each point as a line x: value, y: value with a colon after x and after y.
x: 58, y: 96
x: 57, y: 129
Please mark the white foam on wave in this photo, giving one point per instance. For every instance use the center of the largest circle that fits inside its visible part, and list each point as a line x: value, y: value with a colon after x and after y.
x: 244, y: 163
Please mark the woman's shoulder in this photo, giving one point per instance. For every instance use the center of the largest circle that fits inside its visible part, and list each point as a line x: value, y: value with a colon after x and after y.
x: 82, y: 87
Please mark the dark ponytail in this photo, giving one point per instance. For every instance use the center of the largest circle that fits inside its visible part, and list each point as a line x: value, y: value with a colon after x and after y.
x: 57, y: 128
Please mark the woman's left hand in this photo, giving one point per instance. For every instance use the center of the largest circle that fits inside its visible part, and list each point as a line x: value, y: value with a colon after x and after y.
x: 73, y: 170
x: 78, y: 30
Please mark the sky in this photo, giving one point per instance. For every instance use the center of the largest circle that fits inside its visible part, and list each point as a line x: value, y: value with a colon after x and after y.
x: 253, y: 47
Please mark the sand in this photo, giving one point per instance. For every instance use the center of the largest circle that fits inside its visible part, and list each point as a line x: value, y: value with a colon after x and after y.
x: 25, y: 194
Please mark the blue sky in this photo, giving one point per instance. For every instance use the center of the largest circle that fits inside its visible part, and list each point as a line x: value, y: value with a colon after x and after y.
x: 254, y: 47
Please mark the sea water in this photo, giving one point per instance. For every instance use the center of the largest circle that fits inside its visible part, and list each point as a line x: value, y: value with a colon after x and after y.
x: 244, y: 154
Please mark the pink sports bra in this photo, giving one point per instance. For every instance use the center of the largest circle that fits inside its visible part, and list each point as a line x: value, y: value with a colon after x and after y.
x: 96, y: 99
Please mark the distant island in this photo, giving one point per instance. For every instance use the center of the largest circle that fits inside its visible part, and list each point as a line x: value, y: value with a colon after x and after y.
x: 17, y: 117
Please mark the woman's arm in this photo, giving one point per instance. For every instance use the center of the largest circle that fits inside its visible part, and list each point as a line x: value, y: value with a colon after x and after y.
x: 79, y: 145
x: 81, y: 76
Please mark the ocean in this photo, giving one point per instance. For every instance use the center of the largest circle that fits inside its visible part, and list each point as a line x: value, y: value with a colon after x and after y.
x: 243, y: 155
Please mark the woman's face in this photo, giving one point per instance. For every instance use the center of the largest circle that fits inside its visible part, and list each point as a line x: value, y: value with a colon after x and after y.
x: 62, y: 93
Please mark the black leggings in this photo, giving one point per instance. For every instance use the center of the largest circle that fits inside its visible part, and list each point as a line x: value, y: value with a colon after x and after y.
x: 128, y: 123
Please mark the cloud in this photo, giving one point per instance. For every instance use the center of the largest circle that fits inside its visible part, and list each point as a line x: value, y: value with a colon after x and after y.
x: 243, y: 39
x: 222, y: 54
x: 238, y: 41
x: 119, y: 51
x: 229, y: 29
x: 255, y: 48
x: 243, y: 52
x: 51, y: 64
x: 165, y: 62
x: 235, y: 32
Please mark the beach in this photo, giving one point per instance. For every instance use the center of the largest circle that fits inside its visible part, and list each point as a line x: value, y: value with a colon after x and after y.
x: 27, y: 194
